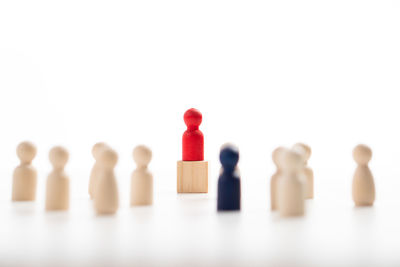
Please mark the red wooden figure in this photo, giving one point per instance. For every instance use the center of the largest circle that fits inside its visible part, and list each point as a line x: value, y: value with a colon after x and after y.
x: 192, y: 139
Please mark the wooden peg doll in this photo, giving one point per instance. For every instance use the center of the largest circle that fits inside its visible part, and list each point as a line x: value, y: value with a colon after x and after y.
x: 106, y: 190
x: 141, y: 179
x: 57, y: 186
x: 25, y: 175
x: 363, y: 181
x: 276, y: 158
x: 291, y: 188
x: 96, y: 151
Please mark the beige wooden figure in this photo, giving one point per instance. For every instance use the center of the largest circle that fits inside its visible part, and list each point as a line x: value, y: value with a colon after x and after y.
x: 106, y: 189
x: 142, y: 179
x: 308, y: 173
x: 363, y: 181
x: 96, y: 151
x: 25, y: 175
x: 57, y: 187
x: 276, y: 158
x: 290, y: 187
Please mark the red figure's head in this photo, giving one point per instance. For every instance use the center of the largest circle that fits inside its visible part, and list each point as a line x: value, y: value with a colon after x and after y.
x: 192, y: 118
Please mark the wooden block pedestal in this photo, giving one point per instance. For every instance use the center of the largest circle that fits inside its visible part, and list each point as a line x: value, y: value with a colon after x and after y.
x: 192, y: 176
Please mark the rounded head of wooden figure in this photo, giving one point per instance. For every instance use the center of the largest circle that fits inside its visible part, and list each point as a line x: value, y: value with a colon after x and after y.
x: 97, y: 148
x: 192, y: 118
x: 277, y: 156
x: 304, y: 149
x: 26, y: 151
x: 302, y: 152
x: 362, y: 154
x: 292, y: 160
x: 229, y: 157
x: 108, y: 158
x: 58, y: 157
x: 142, y: 155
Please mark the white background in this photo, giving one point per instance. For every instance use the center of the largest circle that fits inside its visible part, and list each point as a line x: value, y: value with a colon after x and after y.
x: 263, y: 73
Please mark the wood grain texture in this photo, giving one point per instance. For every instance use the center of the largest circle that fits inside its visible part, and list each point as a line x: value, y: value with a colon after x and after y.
x: 192, y: 177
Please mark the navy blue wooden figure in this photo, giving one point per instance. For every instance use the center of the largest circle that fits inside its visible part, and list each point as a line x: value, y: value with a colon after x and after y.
x: 229, y: 180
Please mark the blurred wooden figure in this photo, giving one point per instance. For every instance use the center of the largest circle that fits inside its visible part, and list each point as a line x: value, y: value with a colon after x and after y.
x: 25, y: 175
x: 308, y: 173
x: 291, y: 188
x: 363, y: 181
x: 96, y: 151
x: 106, y: 189
x: 141, y: 179
x: 57, y: 187
x: 229, y: 181
x: 276, y: 158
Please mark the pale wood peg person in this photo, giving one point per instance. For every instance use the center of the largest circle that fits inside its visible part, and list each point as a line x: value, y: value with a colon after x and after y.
x: 57, y: 187
x: 363, y: 181
x: 25, y: 175
x: 141, y: 179
x: 96, y: 151
x: 276, y: 158
x: 291, y: 188
x: 308, y: 173
x: 106, y: 190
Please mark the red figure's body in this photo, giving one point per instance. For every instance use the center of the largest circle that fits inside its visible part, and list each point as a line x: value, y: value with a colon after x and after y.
x: 192, y: 139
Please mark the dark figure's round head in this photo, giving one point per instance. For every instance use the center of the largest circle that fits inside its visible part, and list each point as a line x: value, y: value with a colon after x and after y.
x: 192, y: 117
x: 229, y: 157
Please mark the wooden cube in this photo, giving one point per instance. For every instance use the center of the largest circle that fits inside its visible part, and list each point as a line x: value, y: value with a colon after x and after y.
x: 192, y: 177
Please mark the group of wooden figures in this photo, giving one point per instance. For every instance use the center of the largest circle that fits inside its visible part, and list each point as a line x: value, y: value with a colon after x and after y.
x: 102, y: 184
x: 25, y: 177
x: 292, y: 183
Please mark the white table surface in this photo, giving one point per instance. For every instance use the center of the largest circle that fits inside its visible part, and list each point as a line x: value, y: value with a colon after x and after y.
x: 186, y: 230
